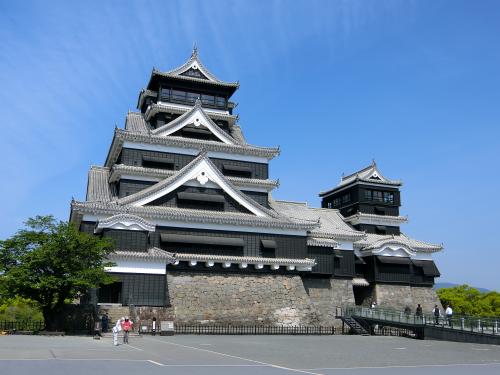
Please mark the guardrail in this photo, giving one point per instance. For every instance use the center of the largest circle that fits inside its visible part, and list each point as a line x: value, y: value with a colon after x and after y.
x: 253, y: 330
x: 23, y: 325
x: 483, y: 325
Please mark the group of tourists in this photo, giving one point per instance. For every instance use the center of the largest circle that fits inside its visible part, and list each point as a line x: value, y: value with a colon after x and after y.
x: 448, y: 312
x: 123, y: 324
x: 436, y: 312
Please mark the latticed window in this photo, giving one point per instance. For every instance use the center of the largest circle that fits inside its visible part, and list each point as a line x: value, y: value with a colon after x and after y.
x: 377, y: 195
x: 368, y: 195
x: 336, y: 202
x: 388, y: 197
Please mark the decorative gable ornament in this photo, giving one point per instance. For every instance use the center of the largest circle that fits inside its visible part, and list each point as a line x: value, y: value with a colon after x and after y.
x: 125, y: 222
x: 197, y: 117
x: 202, y: 170
x: 202, y: 178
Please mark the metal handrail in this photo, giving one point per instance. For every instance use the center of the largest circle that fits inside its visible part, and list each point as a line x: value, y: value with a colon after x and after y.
x: 484, y: 325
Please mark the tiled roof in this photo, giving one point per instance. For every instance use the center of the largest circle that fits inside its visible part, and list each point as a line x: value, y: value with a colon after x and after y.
x: 151, y: 254
x: 144, y: 94
x: 249, y: 260
x: 209, y: 123
x: 135, y: 122
x: 159, y: 254
x: 237, y: 134
x: 359, y: 281
x: 98, y: 188
x: 331, y: 223
x: 361, y: 217
x: 375, y: 241
x: 370, y: 174
x: 321, y: 242
x: 202, y: 157
x: 122, y: 136
x: 194, y: 62
x: 120, y: 169
x: 161, y: 107
x: 191, y: 215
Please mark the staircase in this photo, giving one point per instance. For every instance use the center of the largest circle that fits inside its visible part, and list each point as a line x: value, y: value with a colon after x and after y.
x: 354, y: 325
x: 114, y: 311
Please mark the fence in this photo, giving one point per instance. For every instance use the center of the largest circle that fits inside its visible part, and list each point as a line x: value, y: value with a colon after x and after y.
x: 253, y: 330
x: 24, y: 325
x: 478, y: 324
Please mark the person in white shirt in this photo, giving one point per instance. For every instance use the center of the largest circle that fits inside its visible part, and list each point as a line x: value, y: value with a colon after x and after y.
x: 449, y: 315
x: 116, y: 329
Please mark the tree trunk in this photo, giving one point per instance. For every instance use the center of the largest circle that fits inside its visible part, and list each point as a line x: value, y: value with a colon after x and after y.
x: 53, y: 316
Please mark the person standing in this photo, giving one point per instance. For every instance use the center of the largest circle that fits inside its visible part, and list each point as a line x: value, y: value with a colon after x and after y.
x: 436, y: 314
x: 449, y: 315
x: 407, y: 311
x: 116, y: 329
x: 127, y: 326
x: 418, y: 311
x: 105, y: 322
x: 153, y: 331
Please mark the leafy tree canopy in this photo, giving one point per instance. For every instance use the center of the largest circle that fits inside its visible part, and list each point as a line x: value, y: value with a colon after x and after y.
x: 470, y: 301
x: 52, y: 263
x: 20, y: 309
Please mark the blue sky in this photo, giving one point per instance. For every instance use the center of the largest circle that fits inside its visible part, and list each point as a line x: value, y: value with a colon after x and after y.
x: 413, y: 84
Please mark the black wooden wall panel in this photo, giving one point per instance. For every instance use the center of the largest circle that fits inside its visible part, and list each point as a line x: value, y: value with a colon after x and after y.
x: 287, y: 246
x: 142, y: 289
x: 323, y: 257
x: 125, y: 240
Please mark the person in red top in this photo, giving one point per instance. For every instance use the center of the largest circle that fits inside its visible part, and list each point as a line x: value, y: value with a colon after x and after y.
x: 127, y: 326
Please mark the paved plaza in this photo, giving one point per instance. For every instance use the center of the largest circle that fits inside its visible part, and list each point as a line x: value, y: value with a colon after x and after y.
x: 273, y: 355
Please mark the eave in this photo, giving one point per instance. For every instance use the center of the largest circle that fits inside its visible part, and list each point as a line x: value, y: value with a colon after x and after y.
x: 162, y: 107
x: 362, y: 218
x: 121, y: 136
x: 120, y: 170
x: 188, y: 215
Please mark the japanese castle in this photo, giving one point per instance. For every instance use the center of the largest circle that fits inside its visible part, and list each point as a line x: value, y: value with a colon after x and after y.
x: 198, y: 236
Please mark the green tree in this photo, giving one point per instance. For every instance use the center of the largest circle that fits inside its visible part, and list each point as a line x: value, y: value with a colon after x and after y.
x: 20, y: 309
x: 52, y: 263
x: 470, y: 301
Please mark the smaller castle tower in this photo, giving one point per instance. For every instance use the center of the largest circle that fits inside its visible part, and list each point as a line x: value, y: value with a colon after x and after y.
x: 368, y: 201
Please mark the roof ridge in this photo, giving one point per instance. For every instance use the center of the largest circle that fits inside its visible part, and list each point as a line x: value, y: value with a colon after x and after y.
x: 293, y: 202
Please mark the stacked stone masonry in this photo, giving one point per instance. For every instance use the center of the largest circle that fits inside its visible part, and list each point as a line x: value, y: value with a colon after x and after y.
x: 241, y: 299
x: 279, y: 300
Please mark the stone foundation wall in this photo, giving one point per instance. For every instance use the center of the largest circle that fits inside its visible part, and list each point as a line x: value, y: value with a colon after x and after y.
x: 427, y: 297
x: 266, y: 299
x: 400, y: 296
x: 146, y: 313
x: 326, y: 294
x: 240, y: 299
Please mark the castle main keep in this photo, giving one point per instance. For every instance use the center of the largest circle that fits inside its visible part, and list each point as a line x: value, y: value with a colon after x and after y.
x: 199, y: 238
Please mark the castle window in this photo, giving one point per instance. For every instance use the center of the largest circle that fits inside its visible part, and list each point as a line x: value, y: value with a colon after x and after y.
x: 336, y: 202
x: 236, y: 171
x: 346, y: 198
x: 388, y: 197
x: 377, y: 196
x: 159, y: 163
x: 220, y: 101
x: 208, y: 99
x: 368, y: 195
x: 192, y: 96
